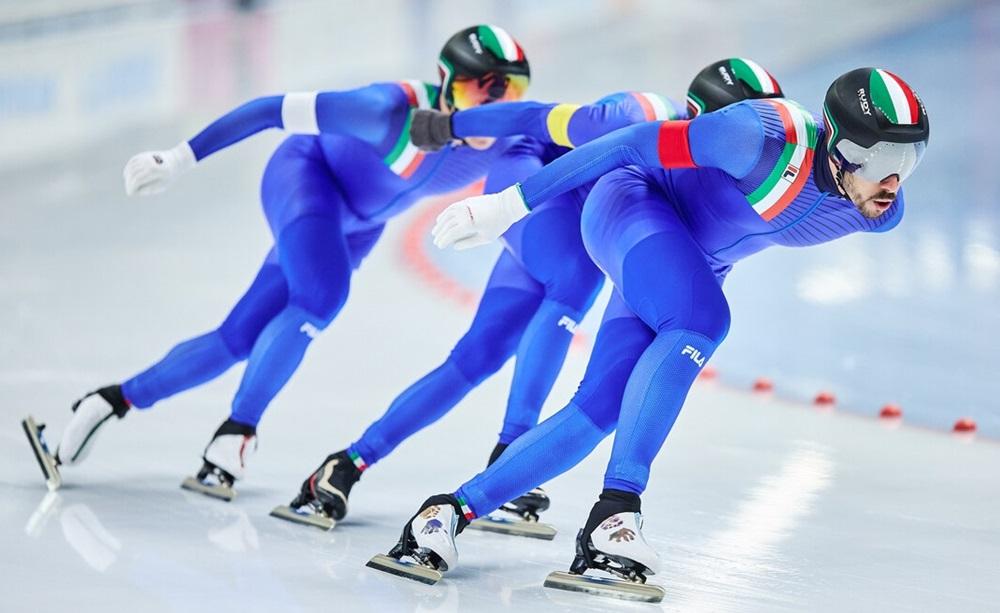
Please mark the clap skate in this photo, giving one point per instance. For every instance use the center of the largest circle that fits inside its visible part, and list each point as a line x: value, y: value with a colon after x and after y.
x: 522, y: 517
x: 322, y: 499
x: 612, y: 542
x: 46, y: 461
x: 224, y: 461
x: 428, y: 540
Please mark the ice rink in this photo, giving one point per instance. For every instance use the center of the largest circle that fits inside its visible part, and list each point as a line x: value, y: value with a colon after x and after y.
x: 757, y: 502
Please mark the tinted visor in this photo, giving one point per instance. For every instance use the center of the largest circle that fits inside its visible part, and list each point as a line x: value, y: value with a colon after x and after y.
x: 881, y: 160
x: 469, y: 92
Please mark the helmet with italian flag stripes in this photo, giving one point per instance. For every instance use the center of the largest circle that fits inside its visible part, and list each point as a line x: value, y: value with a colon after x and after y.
x: 482, y: 64
x: 876, y: 124
x: 729, y: 81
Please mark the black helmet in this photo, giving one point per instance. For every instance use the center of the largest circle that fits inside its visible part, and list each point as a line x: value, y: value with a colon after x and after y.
x: 876, y: 125
x: 486, y: 63
x: 729, y: 81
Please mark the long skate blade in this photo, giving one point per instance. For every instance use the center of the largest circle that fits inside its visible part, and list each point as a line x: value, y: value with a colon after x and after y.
x: 500, y: 525
x: 407, y: 570
x: 615, y: 588
x: 213, y: 491
x: 308, y: 519
x: 45, y: 459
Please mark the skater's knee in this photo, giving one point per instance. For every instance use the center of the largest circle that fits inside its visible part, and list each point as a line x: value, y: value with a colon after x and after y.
x: 322, y: 303
x: 236, y: 341
x: 576, y: 286
x: 477, y: 356
x: 602, y: 412
x: 710, y: 319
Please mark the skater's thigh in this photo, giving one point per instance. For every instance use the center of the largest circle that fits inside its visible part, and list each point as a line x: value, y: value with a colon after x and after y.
x: 510, y: 301
x: 267, y: 295
x: 314, y: 258
x: 668, y: 283
x: 620, y: 342
x: 552, y: 252
x: 298, y: 183
x: 624, y: 207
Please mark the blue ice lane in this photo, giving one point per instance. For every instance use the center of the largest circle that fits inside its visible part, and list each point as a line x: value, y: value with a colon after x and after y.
x: 910, y: 316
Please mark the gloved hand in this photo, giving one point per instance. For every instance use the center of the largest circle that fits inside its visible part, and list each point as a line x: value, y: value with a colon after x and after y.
x: 479, y: 220
x: 151, y: 172
x: 430, y: 130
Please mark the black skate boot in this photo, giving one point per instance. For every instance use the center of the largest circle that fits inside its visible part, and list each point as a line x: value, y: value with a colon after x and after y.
x: 322, y: 499
x: 612, y: 541
x: 428, y: 539
x: 525, y: 508
x: 224, y: 461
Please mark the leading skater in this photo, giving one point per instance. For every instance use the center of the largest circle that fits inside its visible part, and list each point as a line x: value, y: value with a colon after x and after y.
x: 541, y: 286
x: 677, y: 204
x: 327, y: 192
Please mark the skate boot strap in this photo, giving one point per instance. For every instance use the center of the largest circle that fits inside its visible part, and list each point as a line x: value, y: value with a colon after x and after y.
x: 234, y: 427
x: 449, y: 499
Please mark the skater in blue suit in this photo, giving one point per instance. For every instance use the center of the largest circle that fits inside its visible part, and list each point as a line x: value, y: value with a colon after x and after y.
x: 675, y: 205
x: 541, y: 286
x: 327, y: 192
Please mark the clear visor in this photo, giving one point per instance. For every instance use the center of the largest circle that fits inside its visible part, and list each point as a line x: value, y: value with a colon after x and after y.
x: 881, y: 160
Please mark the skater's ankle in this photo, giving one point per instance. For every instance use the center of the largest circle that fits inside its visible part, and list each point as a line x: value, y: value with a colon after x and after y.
x: 462, y: 510
x: 497, y: 452
x: 627, y: 501
x: 231, y: 426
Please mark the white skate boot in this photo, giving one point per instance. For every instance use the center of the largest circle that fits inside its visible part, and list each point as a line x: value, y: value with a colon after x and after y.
x: 614, y: 544
x: 89, y: 414
x: 225, y: 461
x: 428, y: 539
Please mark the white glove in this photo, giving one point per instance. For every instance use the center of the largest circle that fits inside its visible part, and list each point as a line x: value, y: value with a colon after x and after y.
x: 151, y: 172
x: 479, y: 220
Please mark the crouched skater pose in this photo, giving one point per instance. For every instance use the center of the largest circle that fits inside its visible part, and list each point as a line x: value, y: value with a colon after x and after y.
x: 677, y: 204
x: 541, y: 286
x: 327, y: 192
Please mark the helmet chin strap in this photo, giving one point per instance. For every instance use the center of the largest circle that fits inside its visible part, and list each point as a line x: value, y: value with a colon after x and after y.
x: 838, y: 178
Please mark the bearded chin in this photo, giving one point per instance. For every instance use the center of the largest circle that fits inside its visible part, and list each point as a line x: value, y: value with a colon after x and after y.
x: 868, y: 210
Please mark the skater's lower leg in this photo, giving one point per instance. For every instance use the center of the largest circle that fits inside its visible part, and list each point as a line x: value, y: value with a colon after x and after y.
x: 502, y: 316
x: 568, y: 436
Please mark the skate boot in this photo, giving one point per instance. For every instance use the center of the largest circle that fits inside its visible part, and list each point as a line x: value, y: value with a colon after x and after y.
x: 525, y: 509
x: 612, y: 541
x: 225, y: 461
x: 322, y: 500
x: 89, y: 414
x: 428, y: 539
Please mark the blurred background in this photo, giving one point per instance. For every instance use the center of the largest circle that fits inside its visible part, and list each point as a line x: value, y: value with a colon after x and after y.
x: 909, y: 317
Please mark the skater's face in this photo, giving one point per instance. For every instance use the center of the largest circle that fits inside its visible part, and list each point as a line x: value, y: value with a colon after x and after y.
x: 871, y: 198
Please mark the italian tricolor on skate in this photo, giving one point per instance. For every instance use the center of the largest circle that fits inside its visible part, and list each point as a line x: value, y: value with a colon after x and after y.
x: 792, y: 169
x: 893, y: 96
x: 466, y: 509
x: 754, y: 75
x: 357, y: 459
x: 405, y: 158
x: 500, y: 43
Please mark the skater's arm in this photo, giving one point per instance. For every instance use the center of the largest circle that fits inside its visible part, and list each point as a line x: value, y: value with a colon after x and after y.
x: 732, y: 143
x: 367, y: 113
x: 730, y: 140
x: 567, y: 125
x: 363, y: 113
